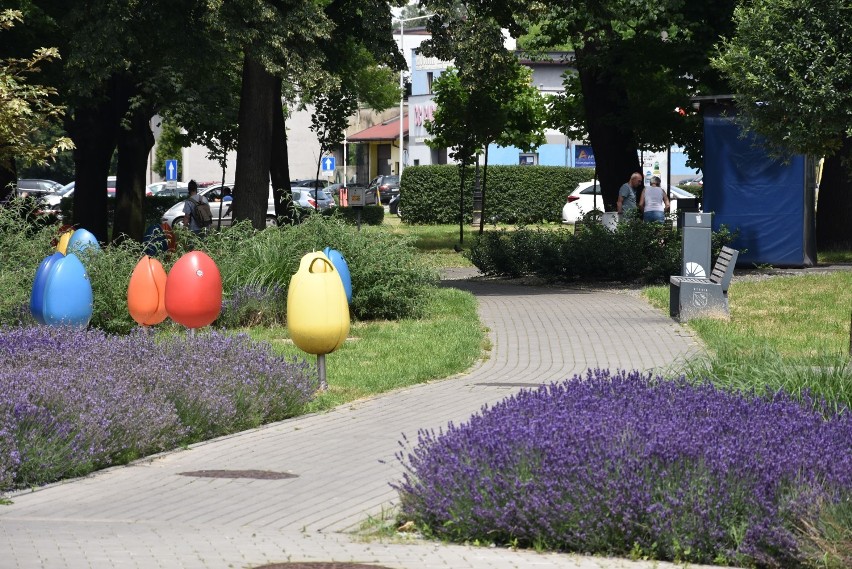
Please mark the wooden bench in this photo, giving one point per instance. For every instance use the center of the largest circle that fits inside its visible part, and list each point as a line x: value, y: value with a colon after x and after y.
x: 693, y: 296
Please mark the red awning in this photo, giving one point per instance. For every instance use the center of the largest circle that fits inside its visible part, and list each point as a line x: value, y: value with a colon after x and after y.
x: 387, y: 131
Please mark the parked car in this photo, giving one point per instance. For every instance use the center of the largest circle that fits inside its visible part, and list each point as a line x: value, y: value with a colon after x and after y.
x: 693, y: 180
x: 393, y: 205
x: 386, y: 186
x: 174, y: 215
x: 334, y: 189
x: 162, y: 189
x: 37, y: 188
x: 312, y: 198
x: 51, y: 202
x: 312, y: 183
x: 587, y: 195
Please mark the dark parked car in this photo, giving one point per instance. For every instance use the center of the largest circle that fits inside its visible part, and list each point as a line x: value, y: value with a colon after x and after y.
x: 393, y: 205
x: 308, y: 183
x: 386, y: 186
x: 38, y: 188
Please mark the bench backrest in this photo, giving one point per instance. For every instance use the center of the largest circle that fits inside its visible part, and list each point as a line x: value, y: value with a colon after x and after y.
x: 723, y: 270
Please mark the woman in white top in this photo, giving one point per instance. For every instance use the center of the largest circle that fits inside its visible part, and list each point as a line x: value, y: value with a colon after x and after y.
x: 654, y: 201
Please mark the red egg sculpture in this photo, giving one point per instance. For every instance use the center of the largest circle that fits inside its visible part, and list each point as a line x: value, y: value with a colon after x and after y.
x: 146, y: 293
x: 194, y: 290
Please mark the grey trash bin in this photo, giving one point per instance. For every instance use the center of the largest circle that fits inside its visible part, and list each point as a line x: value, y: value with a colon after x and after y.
x: 697, y: 234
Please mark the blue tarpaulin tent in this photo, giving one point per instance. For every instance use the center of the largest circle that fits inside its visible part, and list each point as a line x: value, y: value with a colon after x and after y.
x: 770, y: 202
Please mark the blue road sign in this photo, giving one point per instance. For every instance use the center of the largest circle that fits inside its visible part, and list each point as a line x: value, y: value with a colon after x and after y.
x: 171, y: 170
x: 328, y: 164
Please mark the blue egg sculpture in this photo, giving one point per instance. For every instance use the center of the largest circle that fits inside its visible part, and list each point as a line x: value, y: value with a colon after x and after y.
x: 155, y: 240
x: 336, y: 258
x: 39, y: 284
x: 82, y: 240
x: 67, y: 294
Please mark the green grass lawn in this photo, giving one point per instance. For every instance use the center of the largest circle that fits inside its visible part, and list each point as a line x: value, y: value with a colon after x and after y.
x: 786, y: 332
x: 803, y: 316
x: 381, y: 356
x: 437, y: 243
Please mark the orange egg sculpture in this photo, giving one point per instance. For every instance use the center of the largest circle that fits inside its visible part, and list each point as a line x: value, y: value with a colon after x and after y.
x: 146, y: 293
x: 194, y: 290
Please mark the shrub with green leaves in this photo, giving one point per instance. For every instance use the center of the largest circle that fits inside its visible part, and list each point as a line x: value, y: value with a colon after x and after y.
x: 370, y: 214
x: 24, y: 245
x: 109, y: 271
x: 389, y: 280
x: 634, y: 251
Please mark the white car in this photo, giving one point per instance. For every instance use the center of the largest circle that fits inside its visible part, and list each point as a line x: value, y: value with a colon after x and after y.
x: 587, y: 197
x: 174, y: 216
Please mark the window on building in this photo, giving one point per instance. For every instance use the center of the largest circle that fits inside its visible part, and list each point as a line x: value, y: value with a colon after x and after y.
x: 416, y: 162
x: 429, y: 77
x: 527, y: 159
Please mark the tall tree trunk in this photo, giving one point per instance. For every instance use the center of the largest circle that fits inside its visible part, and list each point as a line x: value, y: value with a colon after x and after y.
x: 484, y: 183
x: 834, y: 209
x: 610, y: 133
x: 279, y: 169
x: 461, y: 203
x: 254, y: 142
x: 134, y: 144
x: 93, y: 131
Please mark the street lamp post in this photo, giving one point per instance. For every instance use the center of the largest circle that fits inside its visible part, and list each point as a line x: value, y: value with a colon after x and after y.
x: 402, y: 87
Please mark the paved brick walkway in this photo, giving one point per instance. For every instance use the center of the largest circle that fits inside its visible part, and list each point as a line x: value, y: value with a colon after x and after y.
x: 149, y: 514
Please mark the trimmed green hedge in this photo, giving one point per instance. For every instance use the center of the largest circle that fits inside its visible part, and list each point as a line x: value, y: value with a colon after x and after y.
x: 634, y: 252
x: 515, y: 194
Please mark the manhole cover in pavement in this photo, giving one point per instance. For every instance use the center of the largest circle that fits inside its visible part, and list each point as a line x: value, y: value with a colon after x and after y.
x: 253, y: 474
x: 320, y: 565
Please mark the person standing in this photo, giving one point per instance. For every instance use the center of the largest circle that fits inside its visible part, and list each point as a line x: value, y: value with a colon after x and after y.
x: 654, y: 202
x: 627, y: 196
x: 191, y: 207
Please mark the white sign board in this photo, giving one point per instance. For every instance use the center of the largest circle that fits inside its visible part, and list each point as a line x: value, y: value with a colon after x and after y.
x: 356, y: 196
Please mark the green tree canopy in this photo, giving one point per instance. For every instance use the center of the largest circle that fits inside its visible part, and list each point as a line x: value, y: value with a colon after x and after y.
x: 25, y: 108
x: 636, y: 61
x: 790, y: 65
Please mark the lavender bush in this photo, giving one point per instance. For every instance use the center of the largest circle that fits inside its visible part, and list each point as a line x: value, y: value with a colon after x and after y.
x: 72, y: 401
x: 626, y: 464
x: 253, y: 305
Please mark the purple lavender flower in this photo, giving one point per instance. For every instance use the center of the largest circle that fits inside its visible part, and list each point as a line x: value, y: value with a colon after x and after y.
x: 73, y: 400
x: 611, y: 463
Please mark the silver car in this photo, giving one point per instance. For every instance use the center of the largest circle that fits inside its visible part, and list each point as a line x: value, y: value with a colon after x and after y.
x: 312, y: 198
x: 174, y: 215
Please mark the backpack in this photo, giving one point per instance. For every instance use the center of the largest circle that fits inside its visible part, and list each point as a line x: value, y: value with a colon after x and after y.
x: 201, y: 213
